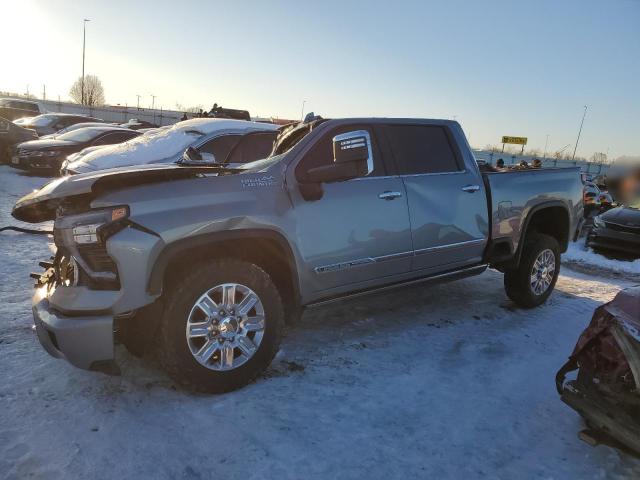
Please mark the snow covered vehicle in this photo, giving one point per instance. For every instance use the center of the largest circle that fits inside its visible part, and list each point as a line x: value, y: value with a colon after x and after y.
x: 606, y: 391
x: 212, y: 136
x: 207, y: 264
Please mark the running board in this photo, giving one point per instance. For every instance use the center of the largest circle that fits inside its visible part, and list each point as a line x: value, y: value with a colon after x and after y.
x: 442, y: 277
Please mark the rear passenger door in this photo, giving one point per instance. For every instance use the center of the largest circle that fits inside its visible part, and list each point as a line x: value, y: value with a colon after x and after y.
x: 447, y: 203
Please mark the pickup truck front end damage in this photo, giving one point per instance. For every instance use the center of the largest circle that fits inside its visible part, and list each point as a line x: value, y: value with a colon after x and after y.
x: 605, y: 392
x: 95, y: 278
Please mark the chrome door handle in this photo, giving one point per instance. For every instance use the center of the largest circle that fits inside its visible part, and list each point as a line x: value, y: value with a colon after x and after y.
x: 388, y: 195
x: 471, y: 188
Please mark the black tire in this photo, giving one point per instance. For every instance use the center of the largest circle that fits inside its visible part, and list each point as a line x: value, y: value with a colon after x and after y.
x: 172, y: 349
x: 517, y: 282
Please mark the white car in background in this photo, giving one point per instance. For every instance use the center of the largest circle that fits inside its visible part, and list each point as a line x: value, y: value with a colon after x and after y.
x: 217, y: 139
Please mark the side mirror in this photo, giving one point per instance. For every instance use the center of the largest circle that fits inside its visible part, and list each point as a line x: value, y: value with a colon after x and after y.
x: 352, y: 158
x: 194, y: 157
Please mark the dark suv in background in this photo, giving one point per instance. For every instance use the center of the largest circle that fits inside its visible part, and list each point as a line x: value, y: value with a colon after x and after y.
x: 13, y: 109
x: 10, y: 135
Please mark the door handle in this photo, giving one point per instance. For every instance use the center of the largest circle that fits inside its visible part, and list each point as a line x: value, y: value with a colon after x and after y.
x: 471, y: 188
x: 388, y: 195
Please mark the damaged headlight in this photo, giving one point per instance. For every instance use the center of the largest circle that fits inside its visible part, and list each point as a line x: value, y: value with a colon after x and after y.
x: 82, y: 238
x: 93, y: 227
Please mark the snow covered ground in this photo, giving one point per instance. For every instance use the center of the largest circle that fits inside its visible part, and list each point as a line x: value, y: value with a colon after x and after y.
x: 448, y: 382
x: 581, y: 255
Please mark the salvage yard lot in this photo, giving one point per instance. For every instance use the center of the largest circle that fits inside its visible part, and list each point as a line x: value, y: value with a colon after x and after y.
x: 448, y: 381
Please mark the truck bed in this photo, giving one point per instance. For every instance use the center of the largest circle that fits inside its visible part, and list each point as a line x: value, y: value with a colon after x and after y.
x: 514, y: 195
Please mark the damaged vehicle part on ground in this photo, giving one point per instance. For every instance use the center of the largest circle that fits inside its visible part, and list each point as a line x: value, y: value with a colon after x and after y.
x: 228, y: 256
x: 607, y: 359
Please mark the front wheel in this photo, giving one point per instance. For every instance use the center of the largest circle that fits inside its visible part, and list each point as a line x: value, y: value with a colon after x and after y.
x: 531, y: 283
x: 221, y: 326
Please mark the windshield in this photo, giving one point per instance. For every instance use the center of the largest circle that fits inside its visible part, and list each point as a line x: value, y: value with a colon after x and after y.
x: 291, y: 135
x: 81, y: 135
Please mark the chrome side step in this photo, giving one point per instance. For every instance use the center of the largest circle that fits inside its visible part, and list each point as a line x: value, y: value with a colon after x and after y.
x: 448, y: 276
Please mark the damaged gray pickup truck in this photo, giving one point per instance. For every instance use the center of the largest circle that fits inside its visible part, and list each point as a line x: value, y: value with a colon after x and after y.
x: 207, y: 264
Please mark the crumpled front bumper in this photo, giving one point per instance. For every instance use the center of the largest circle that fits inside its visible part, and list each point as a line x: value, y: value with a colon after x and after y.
x: 85, y: 342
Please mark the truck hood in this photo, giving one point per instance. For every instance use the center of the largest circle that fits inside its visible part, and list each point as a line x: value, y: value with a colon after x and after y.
x: 40, y: 205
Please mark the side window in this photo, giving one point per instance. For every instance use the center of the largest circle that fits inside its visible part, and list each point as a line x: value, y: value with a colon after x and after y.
x: 422, y: 149
x: 112, y: 138
x: 220, y: 146
x: 64, y: 122
x: 322, y: 152
x: 254, y: 146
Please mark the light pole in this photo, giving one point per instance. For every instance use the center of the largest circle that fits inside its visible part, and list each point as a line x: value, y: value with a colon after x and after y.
x: 302, y: 112
x: 546, y: 143
x: 84, y: 41
x: 138, y: 101
x: 579, y: 132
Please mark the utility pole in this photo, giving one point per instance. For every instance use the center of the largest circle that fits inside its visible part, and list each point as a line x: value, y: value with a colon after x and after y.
x: 302, y: 112
x: 546, y: 143
x: 579, y: 132
x: 153, y: 103
x: 84, y: 41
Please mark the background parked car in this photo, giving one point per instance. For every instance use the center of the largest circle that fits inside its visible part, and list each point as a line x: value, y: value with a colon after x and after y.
x: 213, y: 136
x: 52, y: 122
x: 47, y: 155
x: 10, y: 135
x: 135, y: 124
x: 617, y: 230
x: 13, y: 108
x: 76, y: 127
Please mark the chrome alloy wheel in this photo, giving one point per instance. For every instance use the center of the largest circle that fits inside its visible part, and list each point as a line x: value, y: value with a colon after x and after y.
x: 543, y: 272
x: 225, y: 326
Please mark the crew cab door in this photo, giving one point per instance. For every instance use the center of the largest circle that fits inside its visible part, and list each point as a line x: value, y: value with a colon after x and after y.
x: 355, y: 233
x: 445, y: 194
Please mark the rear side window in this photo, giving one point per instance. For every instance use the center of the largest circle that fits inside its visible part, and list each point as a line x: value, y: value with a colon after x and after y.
x: 115, y: 137
x: 421, y: 149
x: 255, y: 146
x: 220, y: 146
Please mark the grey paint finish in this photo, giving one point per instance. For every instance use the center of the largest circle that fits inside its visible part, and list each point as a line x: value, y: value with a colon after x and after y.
x: 516, y: 194
x: 348, y: 240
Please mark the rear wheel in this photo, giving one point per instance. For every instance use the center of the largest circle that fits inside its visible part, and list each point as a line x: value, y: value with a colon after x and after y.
x: 531, y: 283
x: 221, y: 327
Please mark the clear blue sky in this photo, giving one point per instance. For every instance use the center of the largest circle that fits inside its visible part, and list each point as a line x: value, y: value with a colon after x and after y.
x: 499, y: 67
